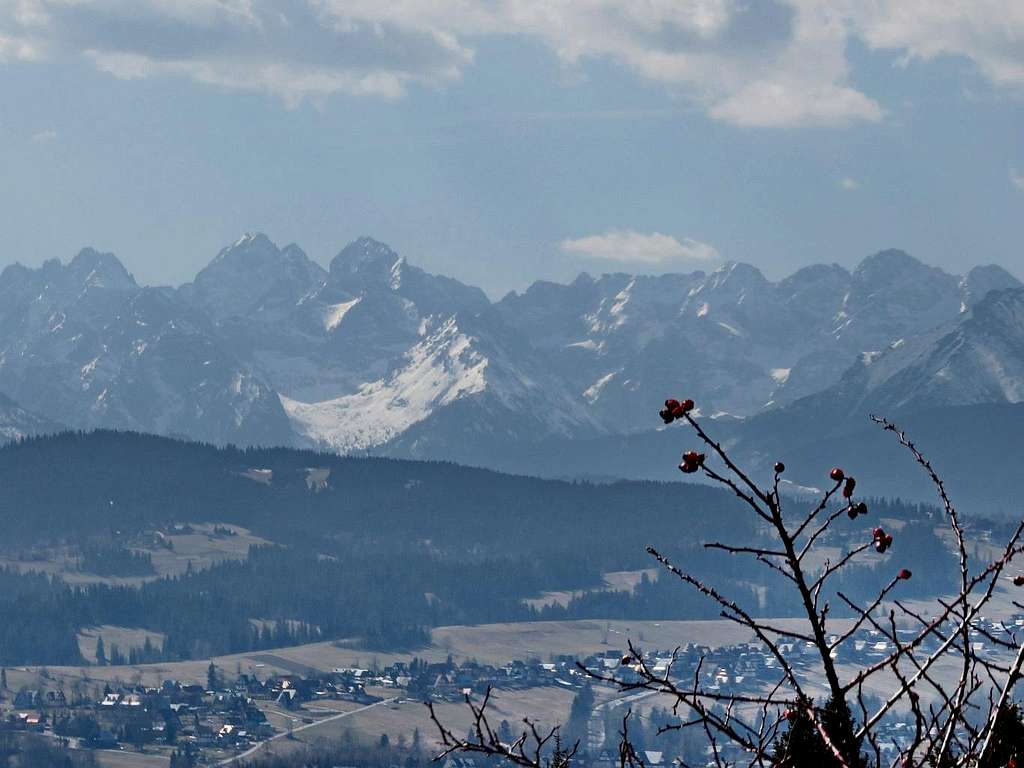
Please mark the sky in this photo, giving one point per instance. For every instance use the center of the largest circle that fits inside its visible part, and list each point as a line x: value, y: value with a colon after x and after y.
x: 505, y: 141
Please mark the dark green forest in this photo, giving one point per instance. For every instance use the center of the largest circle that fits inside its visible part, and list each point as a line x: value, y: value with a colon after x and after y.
x: 387, y: 550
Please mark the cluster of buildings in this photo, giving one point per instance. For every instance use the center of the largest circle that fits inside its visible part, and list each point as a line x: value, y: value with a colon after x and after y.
x: 233, y: 717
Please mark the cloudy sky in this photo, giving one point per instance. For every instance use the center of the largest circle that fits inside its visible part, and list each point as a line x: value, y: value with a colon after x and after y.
x: 502, y: 141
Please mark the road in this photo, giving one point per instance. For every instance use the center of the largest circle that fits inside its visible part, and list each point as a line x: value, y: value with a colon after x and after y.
x: 293, y: 731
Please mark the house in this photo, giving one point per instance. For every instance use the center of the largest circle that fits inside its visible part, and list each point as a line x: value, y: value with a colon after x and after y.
x: 459, y: 762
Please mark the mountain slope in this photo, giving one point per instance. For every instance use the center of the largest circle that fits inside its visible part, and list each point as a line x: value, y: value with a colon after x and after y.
x: 17, y: 423
x: 265, y: 346
x: 83, y: 344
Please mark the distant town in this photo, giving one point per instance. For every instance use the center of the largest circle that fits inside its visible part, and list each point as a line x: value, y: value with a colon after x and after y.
x: 233, y: 713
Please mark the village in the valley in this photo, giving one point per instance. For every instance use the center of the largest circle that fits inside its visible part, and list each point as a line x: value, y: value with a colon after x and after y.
x: 231, y: 714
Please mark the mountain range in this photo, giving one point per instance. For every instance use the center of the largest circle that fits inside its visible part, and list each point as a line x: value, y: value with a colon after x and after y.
x: 372, y: 354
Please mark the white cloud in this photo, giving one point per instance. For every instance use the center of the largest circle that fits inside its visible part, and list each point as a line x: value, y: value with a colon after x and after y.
x: 640, y: 248
x: 1017, y: 179
x: 44, y: 137
x: 848, y: 183
x: 990, y: 33
x: 769, y: 63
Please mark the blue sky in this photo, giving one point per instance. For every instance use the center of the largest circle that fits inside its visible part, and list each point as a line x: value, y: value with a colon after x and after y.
x: 502, y: 141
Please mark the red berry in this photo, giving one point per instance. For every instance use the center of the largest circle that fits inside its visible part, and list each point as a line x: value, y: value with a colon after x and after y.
x: 688, y: 467
x: 626, y: 661
x: 687, y: 405
x: 1018, y: 581
x: 666, y: 416
x: 671, y: 405
x: 888, y: 539
x: 848, y: 488
x: 789, y: 714
x: 862, y: 508
x: 851, y: 512
x: 904, y: 574
x: 779, y: 467
x: 837, y: 474
x: 881, y: 546
x: 691, y: 456
x: 878, y: 533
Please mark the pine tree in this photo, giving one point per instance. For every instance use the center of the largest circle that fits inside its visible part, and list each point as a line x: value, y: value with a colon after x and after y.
x: 1007, y: 747
x: 3, y: 679
x: 101, y: 653
x: 212, y: 677
x: 803, y: 747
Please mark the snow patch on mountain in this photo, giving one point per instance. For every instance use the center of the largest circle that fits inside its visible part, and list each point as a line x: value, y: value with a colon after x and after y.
x: 335, y: 313
x: 593, y: 392
x: 441, y: 369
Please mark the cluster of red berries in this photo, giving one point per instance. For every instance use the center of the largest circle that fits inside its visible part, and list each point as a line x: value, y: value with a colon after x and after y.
x: 675, y: 410
x: 848, y: 488
x: 881, y: 539
x: 692, y: 461
x: 860, y: 508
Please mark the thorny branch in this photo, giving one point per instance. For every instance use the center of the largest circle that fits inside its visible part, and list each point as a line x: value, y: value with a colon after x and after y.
x: 953, y: 723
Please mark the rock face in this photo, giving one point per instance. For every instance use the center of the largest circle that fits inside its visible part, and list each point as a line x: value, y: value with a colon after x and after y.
x: 85, y: 346
x: 265, y: 346
x: 17, y: 423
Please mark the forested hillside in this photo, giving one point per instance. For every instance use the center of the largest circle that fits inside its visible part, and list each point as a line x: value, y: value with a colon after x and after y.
x: 371, y: 550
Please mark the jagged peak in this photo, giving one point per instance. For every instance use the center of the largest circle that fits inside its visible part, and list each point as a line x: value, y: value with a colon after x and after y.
x: 253, y: 240
x: 736, y: 272
x: 891, y: 261
x: 246, y: 247
x: 101, y: 270
x: 257, y: 251
x: 817, y: 272
x: 365, y: 254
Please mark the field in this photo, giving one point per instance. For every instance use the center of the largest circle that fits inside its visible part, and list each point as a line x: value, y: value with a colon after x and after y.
x: 123, y: 637
x: 493, y: 643
x: 487, y: 643
x: 614, y: 581
x: 201, y: 548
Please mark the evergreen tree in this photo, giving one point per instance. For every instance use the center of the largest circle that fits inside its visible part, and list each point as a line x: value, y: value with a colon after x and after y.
x: 802, y: 746
x: 1007, y: 747
x: 101, y: 653
x: 213, y: 680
